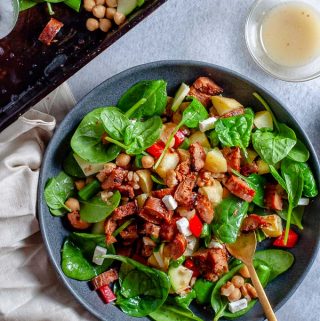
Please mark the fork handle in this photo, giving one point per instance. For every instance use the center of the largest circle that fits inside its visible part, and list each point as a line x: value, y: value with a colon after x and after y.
x: 261, y: 293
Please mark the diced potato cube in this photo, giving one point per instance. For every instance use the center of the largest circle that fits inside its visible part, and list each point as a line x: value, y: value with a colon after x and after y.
x: 252, y: 155
x: 145, y: 180
x: 141, y: 199
x: 201, y: 138
x: 213, y: 192
x: 169, y: 161
x: 263, y: 119
x: 88, y: 168
x: 215, y: 162
x: 263, y: 167
x: 224, y: 105
x: 274, y: 228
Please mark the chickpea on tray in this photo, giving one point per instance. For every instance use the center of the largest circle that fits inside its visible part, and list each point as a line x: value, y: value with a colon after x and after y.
x: 154, y: 188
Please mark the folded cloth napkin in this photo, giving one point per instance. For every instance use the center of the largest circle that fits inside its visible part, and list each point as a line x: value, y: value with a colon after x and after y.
x: 29, y: 287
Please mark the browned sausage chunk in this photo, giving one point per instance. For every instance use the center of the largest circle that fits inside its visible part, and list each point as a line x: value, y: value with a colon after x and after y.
x: 104, y: 278
x: 272, y: 197
x: 77, y: 222
x: 233, y: 157
x: 125, y: 210
x: 198, y: 156
x: 115, y: 179
x: 177, y: 247
x: 204, y: 208
x: 154, y: 211
x: 240, y: 188
x: 183, y: 194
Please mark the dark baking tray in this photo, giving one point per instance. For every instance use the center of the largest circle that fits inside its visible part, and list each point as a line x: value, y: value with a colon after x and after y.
x: 29, y: 70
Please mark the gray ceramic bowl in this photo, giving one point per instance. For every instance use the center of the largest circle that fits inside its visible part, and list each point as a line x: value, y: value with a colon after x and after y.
x: 174, y: 72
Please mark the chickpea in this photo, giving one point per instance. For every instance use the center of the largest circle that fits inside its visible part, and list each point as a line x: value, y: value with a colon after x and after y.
x: 105, y: 25
x: 88, y: 5
x: 99, y: 11
x: 119, y: 18
x: 244, y: 272
x: 80, y: 184
x: 227, y: 289
x: 92, y: 24
x: 100, y: 2
x: 123, y: 160
x: 235, y: 295
x: 238, y: 281
x: 73, y: 204
x: 112, y: 3
x: 110, y: 12
x: 251, y: 290
x: 147, y: 161
x: 245, y: 293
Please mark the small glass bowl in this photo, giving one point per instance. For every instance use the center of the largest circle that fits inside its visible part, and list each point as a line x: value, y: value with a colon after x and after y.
x: 252, y: 33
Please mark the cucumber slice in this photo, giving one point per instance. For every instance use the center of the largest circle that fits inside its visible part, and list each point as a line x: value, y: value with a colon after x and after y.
x: 180, y: 278
x: 181, y: 94
x: 88, y: 168
x: 127, y: 6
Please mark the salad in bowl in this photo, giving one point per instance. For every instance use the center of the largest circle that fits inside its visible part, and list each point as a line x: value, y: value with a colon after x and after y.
x: 155, y: 187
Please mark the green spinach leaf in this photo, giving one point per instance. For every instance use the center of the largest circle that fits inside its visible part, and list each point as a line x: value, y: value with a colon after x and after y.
x: 71, y: 167
x: 236, y: 130
x: 58, y: 189
x: 299, y: 152
x: 86, y: 141
x: 203, y: 289
x: 141, y: 135
x: 310, y: 188
x: 153, y: 91
x: 114, y: 122
x: 229, y: 215
x: 96, y: 210
x: 77, y: 253
x: 272, y: 147
x: 169, y: 312
x: 143, y: 289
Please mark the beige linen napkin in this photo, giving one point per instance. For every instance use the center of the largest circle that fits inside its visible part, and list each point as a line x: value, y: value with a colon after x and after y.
x: 29, y: 287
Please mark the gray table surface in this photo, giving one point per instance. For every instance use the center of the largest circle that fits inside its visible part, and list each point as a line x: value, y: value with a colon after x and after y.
x: 212, y: 31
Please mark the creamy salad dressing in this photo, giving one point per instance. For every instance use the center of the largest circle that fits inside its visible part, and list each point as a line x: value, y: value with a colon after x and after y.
x: 290, y: 34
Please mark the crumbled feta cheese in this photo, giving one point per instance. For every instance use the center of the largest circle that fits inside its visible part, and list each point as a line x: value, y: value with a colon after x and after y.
x: 169, y: 202
x: 303, y: 201
x: 215, y: 245
x: 238, y: 305
x: 98, y: 251
x: 207, y: 124
x: 183, y: 226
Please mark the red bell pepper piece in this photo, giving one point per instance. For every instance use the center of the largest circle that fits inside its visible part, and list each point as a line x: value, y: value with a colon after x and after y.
x: 50, y: 31
x: 107, y: 294
x: 179, y: 137
x: 291, y: 242
x: 189, y: 264
x: 195, y: 226
x: 156, y: 149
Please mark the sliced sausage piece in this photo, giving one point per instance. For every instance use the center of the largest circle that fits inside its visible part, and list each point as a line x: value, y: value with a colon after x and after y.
x: 126, y: 190
x: 160, y: 193
x: 104, y: 278
x: 253, y: 222
x: 198, y: 156
x: 154, y: 211
x: 249, y: 168
x: 240, y: 188
x: 234, y: 112
x: 233, y: 157
x: 50, y: 31
x: 183, y: 194
x: 130, y: 233
x: 109, y: 227
x: 204, y: 208
x: 178, y: 246
x: 77, y: 222
x: 125, y: 210
x: 169, y: 230
x: 115, y: 179
x: 182, y: 170
x: 204, y: 99
x: 151, y: 229
x: 272, y: 197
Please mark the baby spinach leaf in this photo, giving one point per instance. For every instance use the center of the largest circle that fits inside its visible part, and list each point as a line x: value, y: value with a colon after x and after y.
x: 58, y: 189
x: 169, y: 312
x: 141, y: 135
x: 77, y: 253
x: 236, y: 130
x: 310, y: 188
x: 96, y: 210
x: 143, y: 289
x: 153, y: 91
x: 299, y: 152
x: 191, y: 116
x: 203, y: 289
x: 71, y: 167
x: 114, y: 122
x: 229, y: 215
x: 184, y: 300
x: 86, y: 141
x: 272, y: 147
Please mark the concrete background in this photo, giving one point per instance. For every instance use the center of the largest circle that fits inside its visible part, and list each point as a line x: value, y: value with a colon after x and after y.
x: 212, y: 31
